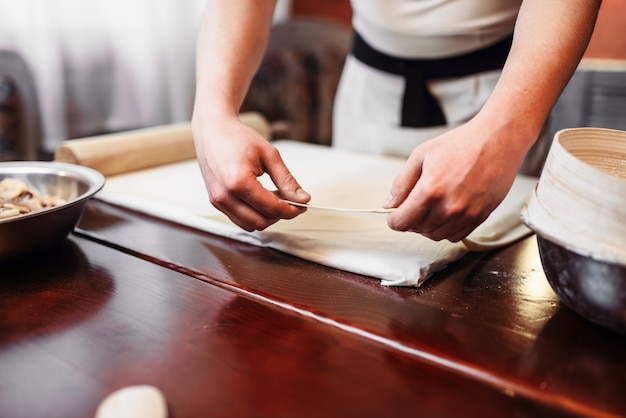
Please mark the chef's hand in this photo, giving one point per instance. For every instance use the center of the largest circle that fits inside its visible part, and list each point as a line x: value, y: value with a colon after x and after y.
x: 231, y: 157
x: 453, y: 182
x: 450, y: 184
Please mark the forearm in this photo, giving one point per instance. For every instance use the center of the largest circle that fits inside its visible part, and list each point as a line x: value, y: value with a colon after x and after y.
x: 231, y: 44
x: 549, y: 41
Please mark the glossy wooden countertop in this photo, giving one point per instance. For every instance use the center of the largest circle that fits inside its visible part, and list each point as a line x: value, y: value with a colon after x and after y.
x: 227, y: 329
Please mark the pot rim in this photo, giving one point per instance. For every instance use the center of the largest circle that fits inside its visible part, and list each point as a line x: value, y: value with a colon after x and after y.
x: 553, y: 230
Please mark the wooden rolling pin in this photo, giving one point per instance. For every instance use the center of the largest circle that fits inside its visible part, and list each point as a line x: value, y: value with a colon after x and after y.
x: 137, y: 149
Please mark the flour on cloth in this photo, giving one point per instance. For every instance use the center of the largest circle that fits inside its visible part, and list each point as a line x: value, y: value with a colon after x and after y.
x: 354, y: 242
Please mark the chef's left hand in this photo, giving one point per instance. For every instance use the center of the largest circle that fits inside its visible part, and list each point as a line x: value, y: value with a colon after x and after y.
x: 450, y: 184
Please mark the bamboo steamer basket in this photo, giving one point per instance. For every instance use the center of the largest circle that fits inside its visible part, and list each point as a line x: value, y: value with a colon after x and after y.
x: 578, y: 212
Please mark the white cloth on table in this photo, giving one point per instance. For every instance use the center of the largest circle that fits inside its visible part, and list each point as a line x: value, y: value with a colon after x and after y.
x: 358, y: 243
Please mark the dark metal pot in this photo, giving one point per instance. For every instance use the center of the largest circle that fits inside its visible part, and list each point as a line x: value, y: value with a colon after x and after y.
x: 594, y: 289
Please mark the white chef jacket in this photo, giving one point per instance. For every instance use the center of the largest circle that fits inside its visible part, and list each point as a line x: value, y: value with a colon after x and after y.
x: 433, y: 28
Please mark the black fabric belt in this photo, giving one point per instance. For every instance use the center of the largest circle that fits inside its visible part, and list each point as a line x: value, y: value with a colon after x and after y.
x: 419, y: 107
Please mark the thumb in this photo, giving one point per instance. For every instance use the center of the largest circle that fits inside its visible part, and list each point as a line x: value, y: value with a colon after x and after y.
x: 406, y: 179
x: 284, y: 181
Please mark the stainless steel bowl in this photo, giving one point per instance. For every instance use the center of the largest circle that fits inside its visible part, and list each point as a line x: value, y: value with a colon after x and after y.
x: 34, y: 232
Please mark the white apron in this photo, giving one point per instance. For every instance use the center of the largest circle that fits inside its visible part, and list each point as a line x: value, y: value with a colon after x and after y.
x: 367, y: 108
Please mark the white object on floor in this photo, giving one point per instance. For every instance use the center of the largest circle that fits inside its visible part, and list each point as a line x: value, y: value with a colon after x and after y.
x: 142, y: 401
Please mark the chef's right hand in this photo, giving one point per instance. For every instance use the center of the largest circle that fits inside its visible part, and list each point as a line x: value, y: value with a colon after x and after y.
x: 231, y: 157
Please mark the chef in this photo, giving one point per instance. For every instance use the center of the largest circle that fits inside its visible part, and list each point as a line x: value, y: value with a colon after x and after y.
x: 461, y: 88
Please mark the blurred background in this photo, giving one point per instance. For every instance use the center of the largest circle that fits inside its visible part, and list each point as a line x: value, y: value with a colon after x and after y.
x: 78, y: 68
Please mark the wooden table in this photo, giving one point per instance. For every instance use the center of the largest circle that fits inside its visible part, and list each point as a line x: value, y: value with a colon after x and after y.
x: 226, y: 329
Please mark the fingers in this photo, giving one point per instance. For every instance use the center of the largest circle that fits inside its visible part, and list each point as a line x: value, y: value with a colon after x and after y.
x: 250, y: 206
x: 434, y: 200
x: 429, y: 212
x: 245, y: 214
x: 247, y: 218
x: 236, y: 191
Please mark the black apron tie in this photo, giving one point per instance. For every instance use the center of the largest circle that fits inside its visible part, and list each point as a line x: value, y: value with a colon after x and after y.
x: 419, y: 107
